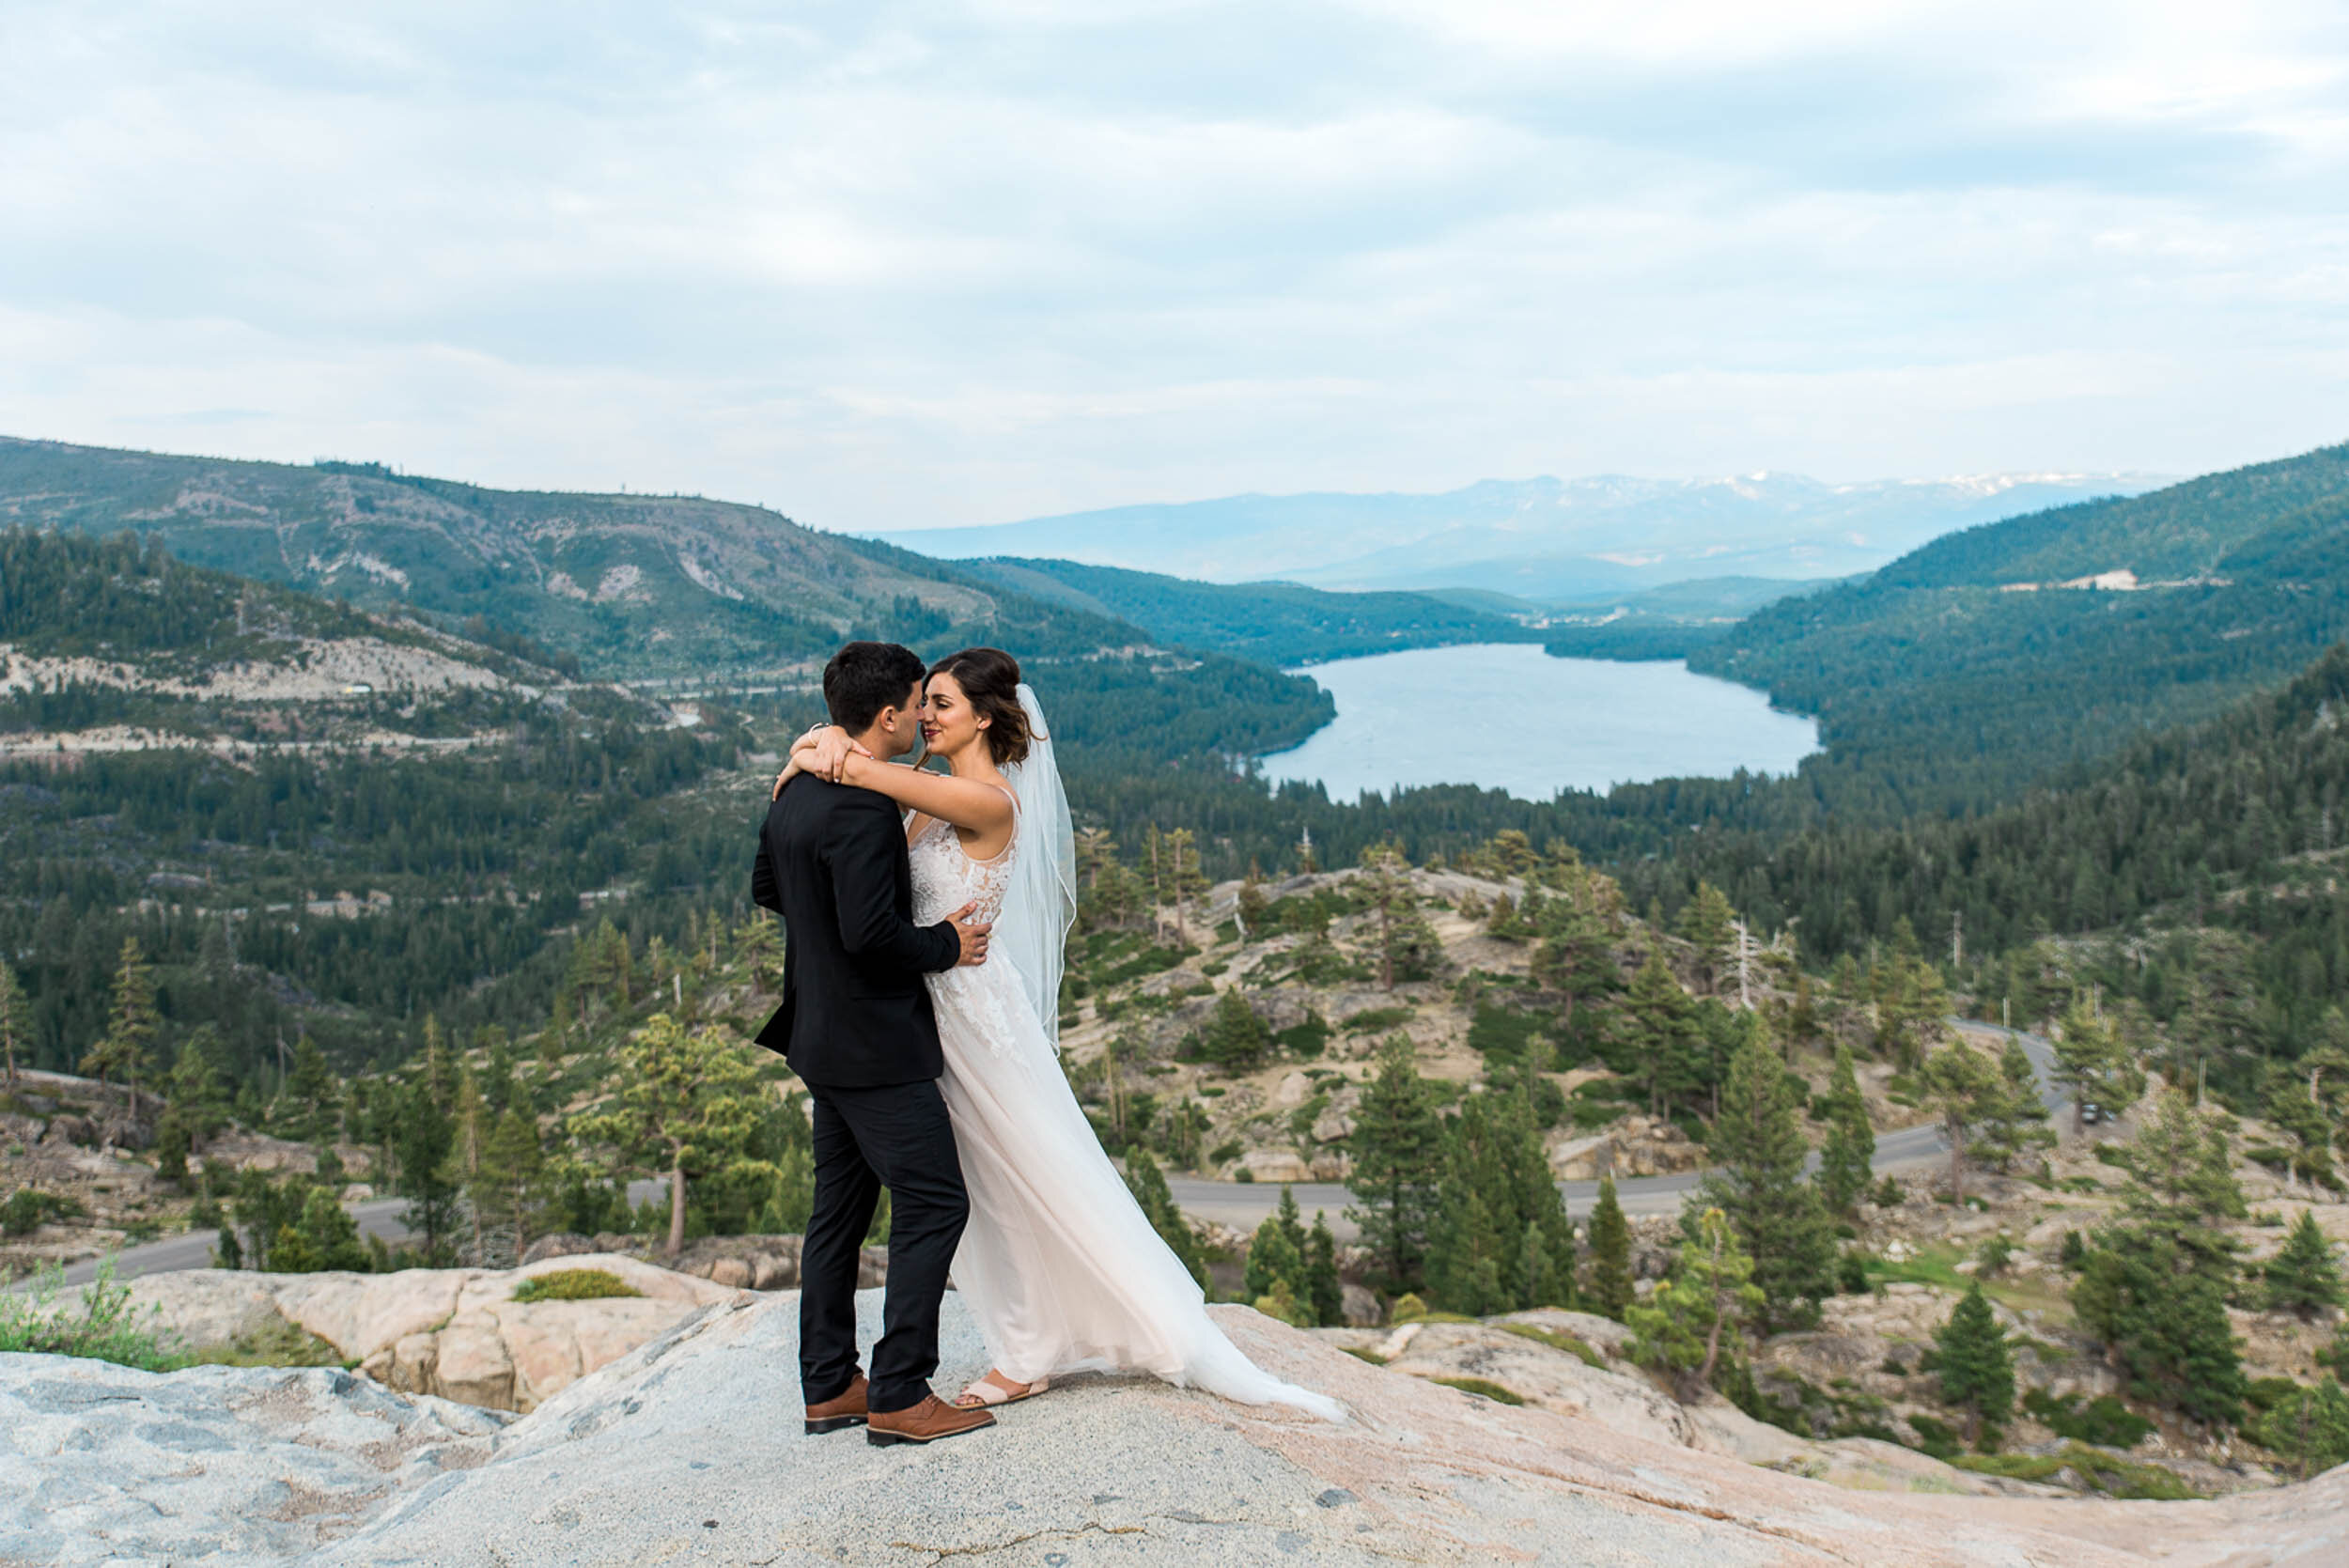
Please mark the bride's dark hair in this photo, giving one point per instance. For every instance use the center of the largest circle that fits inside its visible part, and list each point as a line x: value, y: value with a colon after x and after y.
x: 989, y: 678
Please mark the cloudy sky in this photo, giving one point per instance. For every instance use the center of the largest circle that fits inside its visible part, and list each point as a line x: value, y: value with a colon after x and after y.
x: 889, y: 265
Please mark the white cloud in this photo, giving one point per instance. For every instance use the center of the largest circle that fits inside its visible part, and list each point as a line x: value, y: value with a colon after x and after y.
x: 894, y: 265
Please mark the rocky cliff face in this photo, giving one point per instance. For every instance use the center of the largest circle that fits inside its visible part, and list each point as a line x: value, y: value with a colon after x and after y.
x: 690, y: 1447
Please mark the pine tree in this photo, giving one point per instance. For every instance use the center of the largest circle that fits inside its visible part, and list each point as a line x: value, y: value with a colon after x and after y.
x: 2164, y: 1323
x: 1912, y: 1001
x: 1496, y: 1199
x: 1966, y: 1091
x: 131, y: 1025
x: 1186, y: 883
x: 2308, y: 1427
x: 687, y: 1106
x: 1577, y: 957
x: 1148, y: 1185
x: 2093, y: 1062
x: 313, y: 1097
x: 1609, y: 1289
x: 11, y: 1018
x: 1407, y: 947
x: 422, y: 1138
x: 1396, y: 1146
x: 2154, y: 1285
x: 1709, y: 925
x: 324, y: 1237
x: 1276, y: 1256
x: 1658, y: 1037
x: 195, y: 1088
x: 792, y: 1198
x: 1236, y: 1038
x: 1695, y: 1316
x: 2016, y: 1116
x: 2182, y: 1187
x: 469, y: 1121
x: 2288, y: 1105
x: 2303, y: 1277
x: 511, y: 1188
x: 1848, y: 1154
x: 1976, y: 1367
x: 1757, y: 1182
x: 1324, y: 1291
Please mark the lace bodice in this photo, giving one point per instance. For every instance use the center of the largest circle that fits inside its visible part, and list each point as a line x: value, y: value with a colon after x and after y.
x: 946, y: 877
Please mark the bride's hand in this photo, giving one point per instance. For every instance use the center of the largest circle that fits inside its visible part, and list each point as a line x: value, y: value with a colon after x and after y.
x: 825, y: 752
x: 806, y: 750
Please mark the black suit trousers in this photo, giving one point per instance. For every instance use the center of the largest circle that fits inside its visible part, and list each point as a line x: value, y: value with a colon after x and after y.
x: 897, y: 1137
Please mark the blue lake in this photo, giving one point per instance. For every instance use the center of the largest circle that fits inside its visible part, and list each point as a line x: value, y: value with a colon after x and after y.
x: 1510, y: 716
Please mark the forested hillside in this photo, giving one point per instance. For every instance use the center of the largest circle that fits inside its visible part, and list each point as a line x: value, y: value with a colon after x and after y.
x: 2206, y: 863
x: 634, y: 584
x: 314, y: 819
x: 1959, y: 675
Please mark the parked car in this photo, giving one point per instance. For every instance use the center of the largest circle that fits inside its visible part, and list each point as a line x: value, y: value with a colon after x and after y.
x: 2090, y: 1113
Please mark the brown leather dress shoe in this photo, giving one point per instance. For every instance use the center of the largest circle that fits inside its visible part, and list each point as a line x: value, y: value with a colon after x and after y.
x: 925, y: 1423
x: 845, y: 1408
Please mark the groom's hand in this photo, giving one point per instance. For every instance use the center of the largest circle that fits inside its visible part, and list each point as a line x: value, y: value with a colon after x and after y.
x: 972, y: 936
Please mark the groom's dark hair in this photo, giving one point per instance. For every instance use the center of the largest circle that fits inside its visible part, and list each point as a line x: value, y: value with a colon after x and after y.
x: 865, y: 677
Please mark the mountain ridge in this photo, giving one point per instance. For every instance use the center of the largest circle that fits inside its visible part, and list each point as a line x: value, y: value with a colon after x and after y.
x: 1540, y: 538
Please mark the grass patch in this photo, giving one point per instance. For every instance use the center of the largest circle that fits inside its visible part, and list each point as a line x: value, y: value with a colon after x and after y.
x: 2013, y: 1466
x: 280, y: 1344
x: 573, y: 1284
x: 2127, y: 1477
x: 1481, y: 1389
x: 1556, y: 1341
x: 1372, y: 1020
x: 106, y: 1329
x: 1361, y: 1353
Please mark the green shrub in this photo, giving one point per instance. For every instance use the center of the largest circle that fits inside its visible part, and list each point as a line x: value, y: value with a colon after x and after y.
x: 107, y: 1328
x: 1376, y: 1018
x: 28, y: 1208
x: 2105, y: 1423
x: 573, y: 1284
x: 1223, y: 1153
x: 1936, y: 1438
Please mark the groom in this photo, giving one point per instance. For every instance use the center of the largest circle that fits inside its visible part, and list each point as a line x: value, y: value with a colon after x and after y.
x: 855, y: 1024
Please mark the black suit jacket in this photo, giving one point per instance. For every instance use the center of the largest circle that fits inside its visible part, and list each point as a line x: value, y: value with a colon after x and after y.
x: 855, y: 1014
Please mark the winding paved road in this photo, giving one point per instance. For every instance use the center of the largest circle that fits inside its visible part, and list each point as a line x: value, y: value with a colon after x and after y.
x: 1241, y: 1204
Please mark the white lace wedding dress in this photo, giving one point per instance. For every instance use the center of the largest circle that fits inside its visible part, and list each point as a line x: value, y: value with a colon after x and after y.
x: 1059, y: 1264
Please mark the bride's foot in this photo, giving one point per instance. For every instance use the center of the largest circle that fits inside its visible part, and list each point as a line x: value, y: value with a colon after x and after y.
x: 995, y: 1388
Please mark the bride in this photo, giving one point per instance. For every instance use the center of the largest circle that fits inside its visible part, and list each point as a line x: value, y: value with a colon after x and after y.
x: 1059, y: 1265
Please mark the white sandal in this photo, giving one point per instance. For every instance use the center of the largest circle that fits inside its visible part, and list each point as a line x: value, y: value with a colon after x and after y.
x: 985, y: 1395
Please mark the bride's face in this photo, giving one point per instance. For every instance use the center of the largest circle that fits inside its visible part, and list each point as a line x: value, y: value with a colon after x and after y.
x: 949, y: 725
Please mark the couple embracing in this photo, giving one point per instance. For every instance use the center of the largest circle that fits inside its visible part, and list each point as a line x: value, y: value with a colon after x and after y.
x: 924, y: 915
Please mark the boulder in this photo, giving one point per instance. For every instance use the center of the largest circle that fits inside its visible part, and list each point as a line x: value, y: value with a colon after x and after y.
x: 686, y: 1450
x: 1276, y: 1166
x: 99, y: 1464
x: 452, y: 1333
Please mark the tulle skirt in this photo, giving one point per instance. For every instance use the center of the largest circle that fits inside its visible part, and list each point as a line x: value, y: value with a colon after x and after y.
x: 1059, y: 1265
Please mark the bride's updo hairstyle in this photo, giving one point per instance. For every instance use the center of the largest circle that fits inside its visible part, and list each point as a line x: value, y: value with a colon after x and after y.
x: 989, y: 678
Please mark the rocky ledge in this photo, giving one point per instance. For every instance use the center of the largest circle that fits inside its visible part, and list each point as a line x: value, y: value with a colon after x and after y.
x: 690, y: 1447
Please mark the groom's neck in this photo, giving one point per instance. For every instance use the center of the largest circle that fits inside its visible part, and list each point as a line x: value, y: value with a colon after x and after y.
x: 879, y: 741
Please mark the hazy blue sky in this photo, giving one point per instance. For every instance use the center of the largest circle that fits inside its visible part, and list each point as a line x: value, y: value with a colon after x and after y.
x: 890, y: 265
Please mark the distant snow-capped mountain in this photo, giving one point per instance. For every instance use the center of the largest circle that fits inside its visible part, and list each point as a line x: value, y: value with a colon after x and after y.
x: 1544, y: 540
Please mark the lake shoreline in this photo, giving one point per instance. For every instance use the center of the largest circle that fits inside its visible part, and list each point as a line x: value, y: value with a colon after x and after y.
x: 1511, y: 716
